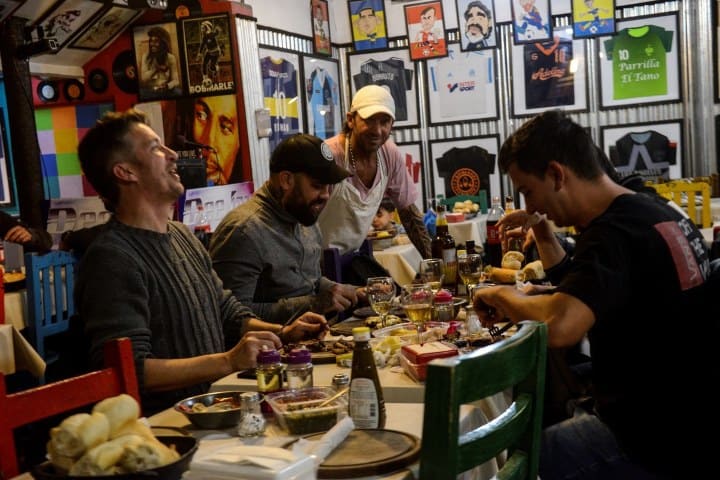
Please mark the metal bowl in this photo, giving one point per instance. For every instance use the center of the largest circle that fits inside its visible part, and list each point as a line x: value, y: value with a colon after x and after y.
x: 212, y: 419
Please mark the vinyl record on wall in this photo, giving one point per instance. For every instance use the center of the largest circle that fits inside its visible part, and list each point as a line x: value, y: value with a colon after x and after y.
x: 177, y: 9
x: 98, y: 80
x: 47, y: 90
x: 124, y: 72
x: 74, y: 90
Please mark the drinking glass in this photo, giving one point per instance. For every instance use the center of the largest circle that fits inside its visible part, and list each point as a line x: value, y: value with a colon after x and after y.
x: 417, y: 301
x: 432, y: 272
x: 380, y: 292
x: 470, y: 269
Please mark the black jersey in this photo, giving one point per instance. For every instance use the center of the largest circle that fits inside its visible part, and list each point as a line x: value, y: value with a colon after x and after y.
x: 466, y: 171
x: 391, y: 73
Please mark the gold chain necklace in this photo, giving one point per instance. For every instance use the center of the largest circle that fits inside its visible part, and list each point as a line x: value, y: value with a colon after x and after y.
x: 352, y: 157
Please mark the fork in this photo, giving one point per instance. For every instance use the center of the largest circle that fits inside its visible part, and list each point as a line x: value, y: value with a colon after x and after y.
x: 496, y: 333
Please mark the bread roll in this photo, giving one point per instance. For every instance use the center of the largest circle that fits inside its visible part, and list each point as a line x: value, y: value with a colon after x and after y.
x: 62, y: 463
x: 513, y: 260
x: 501, y: 275
x: 101, y: 460
x: 146, y: 454
x: 119, y: 410
x: 136, y: 427
x: 78, y: 433
x: 534, y: 271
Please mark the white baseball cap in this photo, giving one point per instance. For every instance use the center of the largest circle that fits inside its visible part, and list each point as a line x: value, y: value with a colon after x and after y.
x: 372, y: 99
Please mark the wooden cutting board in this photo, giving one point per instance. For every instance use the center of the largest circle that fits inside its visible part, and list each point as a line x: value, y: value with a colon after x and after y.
x: 369, y: 452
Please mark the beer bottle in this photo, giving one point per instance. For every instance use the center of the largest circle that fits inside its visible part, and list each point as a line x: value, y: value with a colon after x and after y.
x: 493, y: 246
x: 443, y: 247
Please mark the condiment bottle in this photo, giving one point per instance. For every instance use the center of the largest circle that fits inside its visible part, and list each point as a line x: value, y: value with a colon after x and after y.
x: 443, y: 246
x: 340, y: 381
x: 253, y: 421
x: 367, y: 406
x: 493, y: 248
x: 299, y: 370
x: 269, y: 371
x: 443, y: 306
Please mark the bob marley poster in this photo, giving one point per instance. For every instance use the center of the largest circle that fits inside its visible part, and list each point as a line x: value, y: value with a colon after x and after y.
x: 208, y: 55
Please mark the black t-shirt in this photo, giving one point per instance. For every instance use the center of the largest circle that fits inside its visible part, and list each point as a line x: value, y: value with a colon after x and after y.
x: 466, y: 171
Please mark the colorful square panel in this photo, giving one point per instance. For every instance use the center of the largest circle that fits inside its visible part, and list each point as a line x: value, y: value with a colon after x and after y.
x: 68, y: 164
x: 71, y: 186
x: 66, y: 140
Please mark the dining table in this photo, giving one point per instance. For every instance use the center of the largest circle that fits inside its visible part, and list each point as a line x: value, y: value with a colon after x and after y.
x: 472, y: 228
x: 401, y: 261
x: 17, y: 354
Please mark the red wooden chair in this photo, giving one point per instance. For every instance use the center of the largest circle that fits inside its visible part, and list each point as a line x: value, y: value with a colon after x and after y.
x: 45, y: 401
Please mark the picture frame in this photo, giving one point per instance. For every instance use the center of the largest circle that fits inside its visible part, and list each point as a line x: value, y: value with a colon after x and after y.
x: 324, y: 116
x: 209, y: 68
x: 594, y: 20
x: 368, y: 24
x: 320, y: 27
x: 158, y: 79
x: 470, y: 163
x: 533, y: 92
x: 8, y: 7
x: 462, y: 86
x: 280, y: 70
x: 425, y: 25
x: 109, y: 24
x: 716, y: 48
x: 633, y: 145
x: 64, y: 19
x: 412, y: 153
x: 531, y: 21
x: 660, y: 81
x: 476, y: 24
x: 7, y: 199
x: 373, y: 68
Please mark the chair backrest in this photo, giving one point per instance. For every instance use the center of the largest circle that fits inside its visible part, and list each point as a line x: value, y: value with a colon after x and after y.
x: 517, y: 362
x: 676, y: 190
x: 45, y: 401
x: 333, y: 263
x: 50, y: 280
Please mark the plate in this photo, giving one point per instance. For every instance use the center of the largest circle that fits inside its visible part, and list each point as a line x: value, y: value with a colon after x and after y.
x: 13, y: 281
x: 364, y: 312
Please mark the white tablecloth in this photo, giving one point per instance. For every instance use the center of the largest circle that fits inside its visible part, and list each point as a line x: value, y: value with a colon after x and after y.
x: 16, y: 309
x: 401, y: 261
x: 17, y: 354
x: 472, y: 229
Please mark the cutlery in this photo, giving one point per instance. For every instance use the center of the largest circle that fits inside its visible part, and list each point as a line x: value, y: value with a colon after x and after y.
x: 496, y: 332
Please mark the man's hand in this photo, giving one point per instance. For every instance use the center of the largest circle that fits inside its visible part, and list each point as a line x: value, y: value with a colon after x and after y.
x: 244, y: 354
x: 338, y: 298
x: 308, y: 325
x: 18, y: 234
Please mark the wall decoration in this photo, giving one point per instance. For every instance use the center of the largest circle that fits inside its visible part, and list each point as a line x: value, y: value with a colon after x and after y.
x: 281, y: 89
x: 157, y: 60
x: 98, y: 80
x: 66, y: 18
x: 7, y: 7
x: 716, y: 50
x: 476, y: 19
x: 426, y: 30
x: 415, y: 167
x: 550, y: 74
x: 48, y: 91
x: 466, y: 166
x: 124, y: 72
x: 593, y: 18
x: 73, y: 90
x: 532, y: 20
x: 652, y: 149
x: 321, y: 82
x: 208, y: 53
x: 320, y: 27
x: 6, y: 197
x: 109, y: 24
x: 462, y: 86
x: 368, y: 24
x: 640, y: 64
x: 391, y: 69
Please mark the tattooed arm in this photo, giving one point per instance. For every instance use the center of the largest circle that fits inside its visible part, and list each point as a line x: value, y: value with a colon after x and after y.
x: 412, y: 220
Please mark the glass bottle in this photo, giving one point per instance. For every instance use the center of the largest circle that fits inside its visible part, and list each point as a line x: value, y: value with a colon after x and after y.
x: 269, y: 372
x: 493, y: 246
x: 253, y: 421
x: 443, y: 247
x: 366, y: 403
x: 299, y: 370
x: 515, y: 243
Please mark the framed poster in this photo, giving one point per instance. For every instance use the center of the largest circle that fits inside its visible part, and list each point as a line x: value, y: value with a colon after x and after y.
x: 593, y: 18
x: 426, y: 30
x: 157, y: 59
x: 209, y: 68
x: 476, y: 20
x: 640, y: 64
x: 320, y: 27
x: 6, y: 194
x: 462, y: 86
x: 8, y: 7
x: 321, y: 81
x: 412, y: 153
x: 391, y: 69
x: 108, y: 25
x: 65, y: 18
x: 280, y: 71
x: 531, y: 21
x: 716, y: 49
x: 652, y: 149
x: 368, y: 24
x: 464, y: 167
x: 534, y: 89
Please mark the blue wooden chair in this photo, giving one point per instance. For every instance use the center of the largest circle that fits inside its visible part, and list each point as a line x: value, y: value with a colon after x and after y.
x: 334, y: 263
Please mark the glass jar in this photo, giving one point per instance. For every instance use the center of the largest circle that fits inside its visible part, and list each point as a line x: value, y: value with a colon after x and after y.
x: 299, y: 370
x: 253, y: 421
x: 269, y: 374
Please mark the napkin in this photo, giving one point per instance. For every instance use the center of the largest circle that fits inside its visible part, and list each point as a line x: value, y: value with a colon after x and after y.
x: 320, y: 449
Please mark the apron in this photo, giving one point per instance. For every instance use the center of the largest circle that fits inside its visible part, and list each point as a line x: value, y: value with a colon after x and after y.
x: 346, y: 219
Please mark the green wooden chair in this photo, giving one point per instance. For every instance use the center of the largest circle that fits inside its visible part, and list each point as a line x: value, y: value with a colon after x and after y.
x: 517, y: 362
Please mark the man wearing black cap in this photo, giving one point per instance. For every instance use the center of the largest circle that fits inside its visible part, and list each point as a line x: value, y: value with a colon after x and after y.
x: 267, y: 251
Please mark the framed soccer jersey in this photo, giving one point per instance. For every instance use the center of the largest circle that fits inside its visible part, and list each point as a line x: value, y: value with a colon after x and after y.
x: 321, y: 89
x: 462, y: 86
x: 641, y: 62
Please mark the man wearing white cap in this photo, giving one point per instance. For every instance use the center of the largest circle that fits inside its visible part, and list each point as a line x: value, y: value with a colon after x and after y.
x: 378, y: 170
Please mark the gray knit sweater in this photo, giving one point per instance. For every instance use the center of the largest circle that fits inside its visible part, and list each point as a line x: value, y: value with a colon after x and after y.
x: 161, y: 292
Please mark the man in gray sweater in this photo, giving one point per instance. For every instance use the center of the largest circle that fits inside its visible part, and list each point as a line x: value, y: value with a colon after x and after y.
x: 267, y: 251
x: 148, y: 278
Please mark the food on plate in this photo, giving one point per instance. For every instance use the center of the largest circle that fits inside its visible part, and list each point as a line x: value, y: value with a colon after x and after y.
x: 374, y: 321
x: 534, y: 271
x: 467, y: 206
x: 512, y: 260
x: 501, y: 275
x: 78, y: 433
x: 119, y: 410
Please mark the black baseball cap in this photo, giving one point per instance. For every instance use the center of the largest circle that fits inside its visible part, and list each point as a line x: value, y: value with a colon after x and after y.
x: 308, y: 154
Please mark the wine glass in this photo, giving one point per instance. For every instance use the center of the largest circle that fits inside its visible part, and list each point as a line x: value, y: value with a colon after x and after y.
x: 470, y: 270
x: 432, y: 272
x: 417, y: 301
x: 380, y: 292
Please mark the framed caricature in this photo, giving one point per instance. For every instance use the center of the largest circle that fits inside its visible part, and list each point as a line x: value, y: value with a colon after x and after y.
x: 209, y: 68
x: 412, y: 154
x: 321, y: 81
x: 462, y: 86
x: 652, y: 149
x: 426, y: 30
x: 394, y: 70
x: 464, y: 167
x: 593, y: 18
x: 320, y: 27
x: 476, y: 21
x: 368, y: 24
x: 65, y: 18
x: 157, y: 59
x: 640, y: 64
x: 280, y: 71
x: 531, y: 20
x: 108, y: 25
x: 534, y: 90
